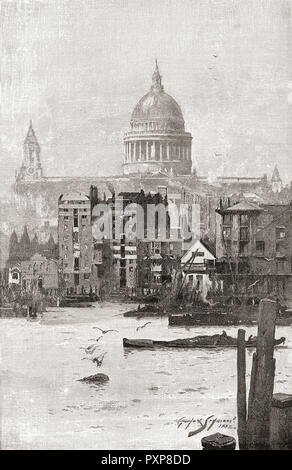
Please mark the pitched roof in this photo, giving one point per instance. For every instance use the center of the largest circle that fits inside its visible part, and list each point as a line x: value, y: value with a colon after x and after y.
x: 243, y: 206
x: 74, y: 196
x: 209, y: 246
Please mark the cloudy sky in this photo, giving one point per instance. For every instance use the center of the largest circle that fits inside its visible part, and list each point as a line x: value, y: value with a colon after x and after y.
x: 77, y: 68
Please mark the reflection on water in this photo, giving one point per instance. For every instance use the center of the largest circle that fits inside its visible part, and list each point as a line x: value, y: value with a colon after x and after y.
x: 150, y: 394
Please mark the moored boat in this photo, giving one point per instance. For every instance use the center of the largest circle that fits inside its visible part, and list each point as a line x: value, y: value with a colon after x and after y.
x: 213, y: 341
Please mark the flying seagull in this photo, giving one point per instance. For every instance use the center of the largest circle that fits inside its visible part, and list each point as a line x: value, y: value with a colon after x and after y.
x: 95, y: 339
x: 143, y: 326
x: 104, y: 331
x: 97, y: 360
x: 90, y: 349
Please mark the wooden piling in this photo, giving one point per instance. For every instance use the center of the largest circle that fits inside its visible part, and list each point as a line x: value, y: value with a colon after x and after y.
x: 241, y: 390
x: 262, y: 379
x: 281, y: 422
x: 218, y: 441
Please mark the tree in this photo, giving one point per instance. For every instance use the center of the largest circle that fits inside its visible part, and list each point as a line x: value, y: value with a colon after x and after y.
x: 24, y: 245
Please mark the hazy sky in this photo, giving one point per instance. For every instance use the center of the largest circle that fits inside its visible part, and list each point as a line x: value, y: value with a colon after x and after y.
x: 77, y: 68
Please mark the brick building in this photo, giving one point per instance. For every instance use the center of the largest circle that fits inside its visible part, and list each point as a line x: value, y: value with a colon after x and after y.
x: 254, y: 249
x: 39, y: 273
x: 78, y: 270
x: 136, y: 259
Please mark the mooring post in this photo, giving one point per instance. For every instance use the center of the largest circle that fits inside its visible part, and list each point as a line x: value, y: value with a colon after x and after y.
x: 262, y: 379
x: 241, y: 390
x: 281, y: 422
x: 218, y: 441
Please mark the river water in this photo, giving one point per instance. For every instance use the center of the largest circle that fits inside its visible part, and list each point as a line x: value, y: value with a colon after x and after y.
x: 150, y: 394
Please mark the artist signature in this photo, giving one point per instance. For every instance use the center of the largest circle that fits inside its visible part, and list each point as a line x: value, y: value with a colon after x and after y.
x: 206, y: 423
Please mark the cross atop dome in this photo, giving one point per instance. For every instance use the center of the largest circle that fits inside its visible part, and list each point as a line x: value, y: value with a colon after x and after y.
x: 156, y: 79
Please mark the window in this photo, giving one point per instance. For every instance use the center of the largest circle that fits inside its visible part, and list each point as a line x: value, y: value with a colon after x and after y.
x: 243, y: 248
x: 244, y: 233
x: 227, y: 246
x: 86, y: 275
x: 66, y: 217
x: 14, y: 275
x: 76, y: 264
x: 280, y: 248
x: 260, y: 247
x: 76, y: 279
x: 280, y: 266
x: 227, y: 219
x: 244, y: 219
x: 75, y: 213
x: 226, y: 232
x: 131, y: 269
x: 75, y: 237
x: 280, y: 232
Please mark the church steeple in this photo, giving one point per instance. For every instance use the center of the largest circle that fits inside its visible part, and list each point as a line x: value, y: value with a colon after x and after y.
x: 31, y: 169
x: 276, y: 175
x: 31, y: 146
x: 156, y: 79
x: 277, y: 184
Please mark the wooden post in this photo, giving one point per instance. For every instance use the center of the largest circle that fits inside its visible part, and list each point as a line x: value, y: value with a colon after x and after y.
x: 241, y: 390
x: 262, y: 379
x: 218, y: 441
x: 281, y: 422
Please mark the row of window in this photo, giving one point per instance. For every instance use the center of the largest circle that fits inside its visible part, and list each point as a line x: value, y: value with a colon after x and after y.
x: 260, y: 248
x: 77, y: 277
x: 244, y: 233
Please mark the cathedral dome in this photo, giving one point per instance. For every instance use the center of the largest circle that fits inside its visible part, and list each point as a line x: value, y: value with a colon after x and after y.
x: 157, y: 140
x: 158, y: 107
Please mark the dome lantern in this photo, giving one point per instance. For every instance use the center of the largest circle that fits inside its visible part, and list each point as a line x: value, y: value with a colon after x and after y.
x: 156, y: 79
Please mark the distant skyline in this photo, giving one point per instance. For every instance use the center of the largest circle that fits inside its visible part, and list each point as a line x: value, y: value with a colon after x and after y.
x: 77, y: 69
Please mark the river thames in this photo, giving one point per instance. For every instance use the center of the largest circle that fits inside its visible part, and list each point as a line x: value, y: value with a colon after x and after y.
x: 151, y: 395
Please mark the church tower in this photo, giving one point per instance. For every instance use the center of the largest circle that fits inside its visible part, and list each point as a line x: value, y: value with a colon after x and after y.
x: 277, y: 184
x: 31, y: 169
